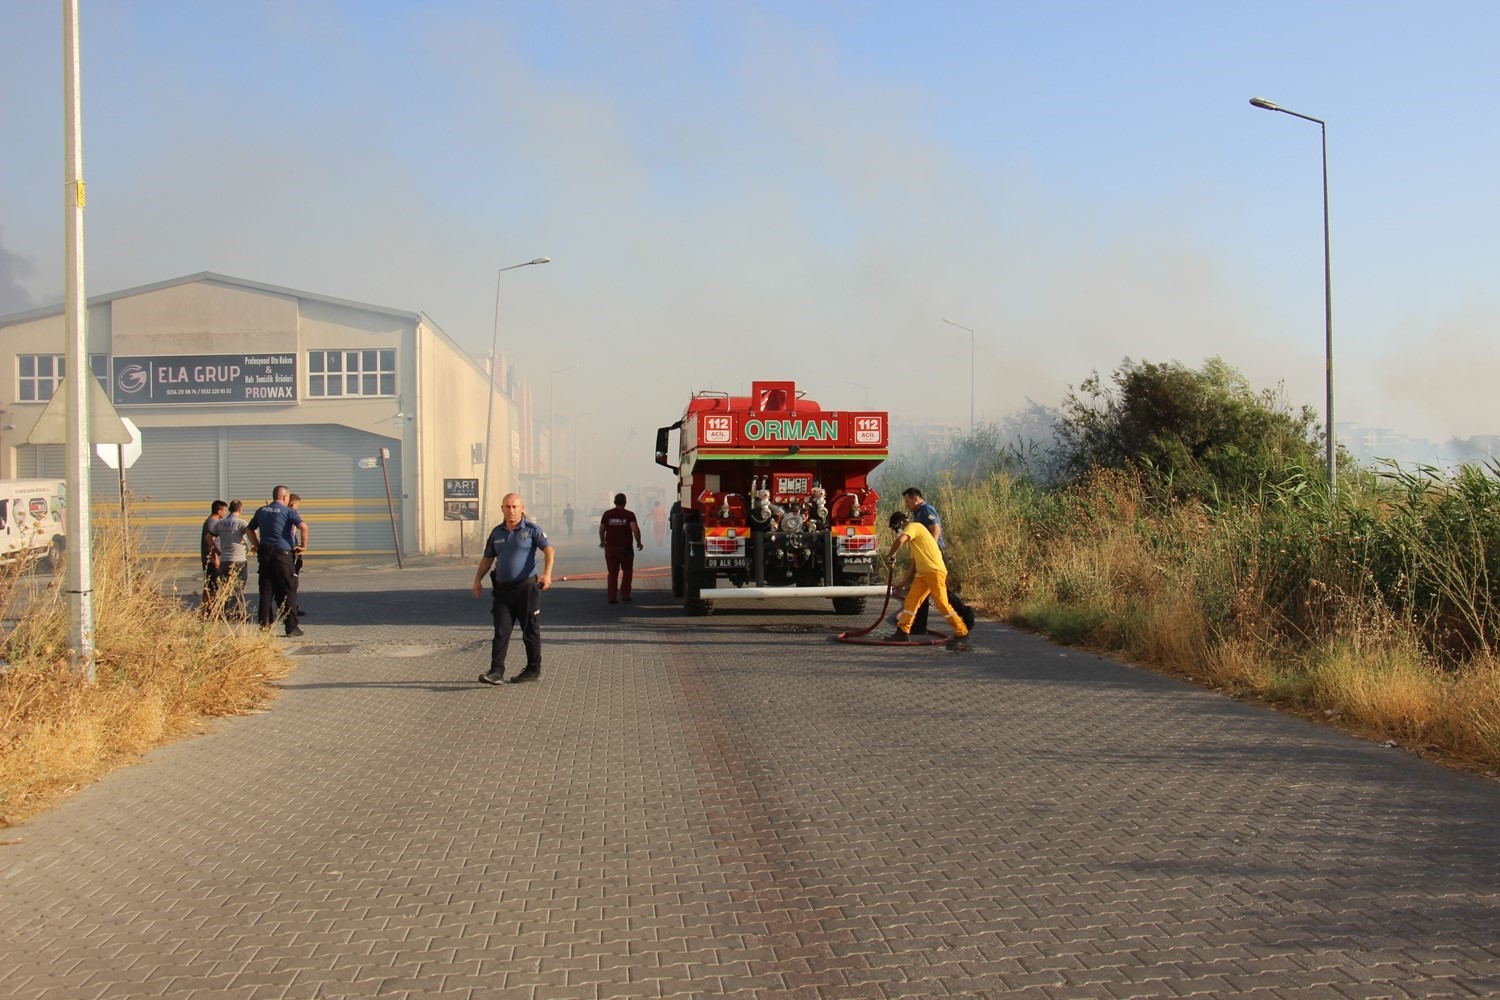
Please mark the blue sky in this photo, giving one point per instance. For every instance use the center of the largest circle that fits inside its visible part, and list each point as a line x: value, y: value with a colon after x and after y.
x: 738, y: 190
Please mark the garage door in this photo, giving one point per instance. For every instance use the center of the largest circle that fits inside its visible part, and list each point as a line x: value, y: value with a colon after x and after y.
x: 182, y: 470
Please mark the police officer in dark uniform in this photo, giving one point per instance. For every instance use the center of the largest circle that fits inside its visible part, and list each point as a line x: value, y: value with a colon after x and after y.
x: 278, y: 535
x: 512, y: 550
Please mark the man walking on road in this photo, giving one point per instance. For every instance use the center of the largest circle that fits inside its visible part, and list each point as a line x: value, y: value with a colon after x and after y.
x: 277, y: 535
x: 617, y: 528
x: 512, y: 550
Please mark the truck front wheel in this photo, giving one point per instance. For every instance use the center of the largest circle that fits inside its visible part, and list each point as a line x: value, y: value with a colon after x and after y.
x: 679, y: 549
x: 679, y: 586
x: 693, y: 601
x: 849, y: 605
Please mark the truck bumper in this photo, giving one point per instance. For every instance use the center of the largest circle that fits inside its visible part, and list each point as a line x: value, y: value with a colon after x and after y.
x: 720, y: 594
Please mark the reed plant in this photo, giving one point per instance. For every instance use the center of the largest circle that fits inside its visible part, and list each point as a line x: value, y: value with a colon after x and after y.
x: 1375, y: 610
x: 162, y: 668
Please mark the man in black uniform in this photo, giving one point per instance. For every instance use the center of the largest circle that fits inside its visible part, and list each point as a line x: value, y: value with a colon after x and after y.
x: 511, y: 549
x: 277, y: 536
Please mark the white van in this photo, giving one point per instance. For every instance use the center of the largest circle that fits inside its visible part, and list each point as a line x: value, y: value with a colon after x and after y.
x: 31, y: 518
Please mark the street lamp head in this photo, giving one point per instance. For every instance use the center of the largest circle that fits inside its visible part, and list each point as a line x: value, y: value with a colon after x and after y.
x: 524, y: 263
x: 1261, y: 102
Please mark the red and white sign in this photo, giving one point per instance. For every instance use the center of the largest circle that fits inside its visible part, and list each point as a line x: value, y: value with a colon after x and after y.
x: 718, y: 428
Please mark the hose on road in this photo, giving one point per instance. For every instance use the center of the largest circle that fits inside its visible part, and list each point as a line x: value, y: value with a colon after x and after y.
x: 930, y: 639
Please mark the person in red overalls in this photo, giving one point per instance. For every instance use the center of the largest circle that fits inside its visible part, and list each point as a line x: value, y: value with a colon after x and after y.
x: 617, y: 528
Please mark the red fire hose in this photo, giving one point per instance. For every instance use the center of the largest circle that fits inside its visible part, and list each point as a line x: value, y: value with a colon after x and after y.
x: 930, y: 639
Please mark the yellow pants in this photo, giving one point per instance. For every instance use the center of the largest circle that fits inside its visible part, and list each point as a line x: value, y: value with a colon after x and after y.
x: 935, y: 585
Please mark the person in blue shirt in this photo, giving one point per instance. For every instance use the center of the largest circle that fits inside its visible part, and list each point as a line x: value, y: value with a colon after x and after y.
x: 926, y: 514
x: 277, y: 536
x: 512, y: 551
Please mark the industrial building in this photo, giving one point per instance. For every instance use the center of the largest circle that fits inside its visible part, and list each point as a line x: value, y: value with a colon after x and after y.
x: 236, y: 386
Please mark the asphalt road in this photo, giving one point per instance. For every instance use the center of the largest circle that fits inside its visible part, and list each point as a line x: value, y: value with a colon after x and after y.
x: 742, y: 805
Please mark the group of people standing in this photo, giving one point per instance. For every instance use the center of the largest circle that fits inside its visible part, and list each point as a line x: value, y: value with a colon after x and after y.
x: 277, y: 535
x: 518, y: 558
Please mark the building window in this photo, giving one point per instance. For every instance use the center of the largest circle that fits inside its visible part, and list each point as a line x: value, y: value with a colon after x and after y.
x: 38, y: 374
x: 351, y: 373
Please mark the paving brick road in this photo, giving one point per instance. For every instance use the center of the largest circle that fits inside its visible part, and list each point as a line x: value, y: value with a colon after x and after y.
x: 740, y: 805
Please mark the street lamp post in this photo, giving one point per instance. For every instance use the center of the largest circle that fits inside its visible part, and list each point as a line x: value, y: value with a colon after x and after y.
x: 971, y: 369
x: 489, y: 414
x: 1331, y: 448
x: 552, y: 441
x: 861, y: 385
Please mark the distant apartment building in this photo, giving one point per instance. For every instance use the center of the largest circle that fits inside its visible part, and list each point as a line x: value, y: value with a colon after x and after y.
x: 1373, y: 446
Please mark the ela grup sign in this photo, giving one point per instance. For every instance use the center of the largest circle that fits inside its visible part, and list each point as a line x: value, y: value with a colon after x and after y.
x: 205, y: 378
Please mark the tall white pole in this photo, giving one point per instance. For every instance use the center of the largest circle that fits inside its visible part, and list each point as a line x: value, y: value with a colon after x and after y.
x: 971, y: 368
x: 1330, y: 442
x: 489, y: 413
x: 552, y: 442
x: 78, y: 581
x: 577, y: 492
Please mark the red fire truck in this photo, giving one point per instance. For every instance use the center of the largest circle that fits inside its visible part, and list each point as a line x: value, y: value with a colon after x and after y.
x: 773, y: 498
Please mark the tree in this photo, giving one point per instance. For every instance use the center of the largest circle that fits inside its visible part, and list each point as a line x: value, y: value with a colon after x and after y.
x: 1203, y: 432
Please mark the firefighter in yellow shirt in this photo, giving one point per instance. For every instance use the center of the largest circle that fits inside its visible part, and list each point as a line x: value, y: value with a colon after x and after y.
x: 928, y: 576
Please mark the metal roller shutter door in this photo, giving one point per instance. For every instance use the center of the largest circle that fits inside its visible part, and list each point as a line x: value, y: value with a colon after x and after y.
x: 50, y: 461
x: 182, y: 470
x: 344, y: 505
x: 172, y: 486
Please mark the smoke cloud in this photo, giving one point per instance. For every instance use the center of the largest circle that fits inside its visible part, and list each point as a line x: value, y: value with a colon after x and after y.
x: 13, y: 268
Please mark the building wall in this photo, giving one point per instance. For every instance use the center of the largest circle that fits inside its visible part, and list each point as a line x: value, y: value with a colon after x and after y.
x: 194, y: 452
x: 451, y: 436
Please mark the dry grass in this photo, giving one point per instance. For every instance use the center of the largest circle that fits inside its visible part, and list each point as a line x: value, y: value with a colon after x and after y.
x: 1204, y: 598
x: 161, y: 670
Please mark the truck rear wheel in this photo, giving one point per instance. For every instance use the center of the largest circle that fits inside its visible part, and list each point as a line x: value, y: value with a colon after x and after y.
x: 849, y: 605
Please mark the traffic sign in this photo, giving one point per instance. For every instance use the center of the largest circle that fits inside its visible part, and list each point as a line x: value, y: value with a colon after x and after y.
x: 111, y: 454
